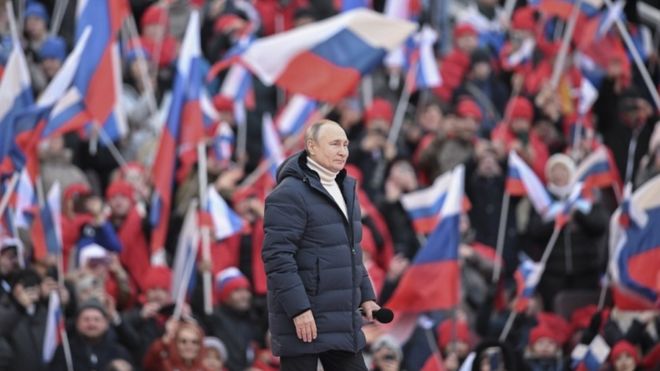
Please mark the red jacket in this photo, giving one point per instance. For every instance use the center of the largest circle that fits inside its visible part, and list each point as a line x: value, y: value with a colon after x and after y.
x: 135, y: 252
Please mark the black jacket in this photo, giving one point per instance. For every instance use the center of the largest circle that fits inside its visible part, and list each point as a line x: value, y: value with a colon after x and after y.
x: 88, y: 356
x: 313, y: 260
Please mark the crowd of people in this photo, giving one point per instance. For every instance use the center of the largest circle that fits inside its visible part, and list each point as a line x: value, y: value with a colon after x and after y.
x: 494, y: 98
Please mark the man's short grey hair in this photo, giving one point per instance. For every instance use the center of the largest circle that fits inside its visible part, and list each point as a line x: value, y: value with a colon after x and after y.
x: 312, y: 132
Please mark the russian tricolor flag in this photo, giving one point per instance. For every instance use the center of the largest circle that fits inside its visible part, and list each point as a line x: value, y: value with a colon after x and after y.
x: 273, y: 150
x: 98, y: 78
x: 46, y: 227
x: 15, y: 96
x: 432, y: 281
x: 563, y: 8
x: 635, y: 249
x: 295, y: 115
x: 177, y: 139
x: 54, y: 327
x: 225, y: 220
x: 521, y: 181
x: 424, y: 206
x: 325, y: 60
x: 527, y: 277
x: 566, y: 207
x: 423, y: 72
x: 185, y: 260
x: 590, y: 357
x: 597, y: 28
x: 222, y: 143
x: 597, y: 170
x: 346, y: 5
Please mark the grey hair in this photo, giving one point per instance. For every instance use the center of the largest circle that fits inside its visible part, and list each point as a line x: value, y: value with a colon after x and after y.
x: 312, y: 132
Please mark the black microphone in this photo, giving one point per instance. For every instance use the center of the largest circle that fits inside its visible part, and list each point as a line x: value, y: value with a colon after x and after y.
x: 382, y: 315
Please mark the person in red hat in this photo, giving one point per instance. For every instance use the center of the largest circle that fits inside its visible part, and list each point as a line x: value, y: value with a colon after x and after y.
x: 146, y: 321
x: 624, y: 356
x: 232, y: 319
x: 156, y: 38
x: 372, y: 150
x: 456, y: 63
x: 129, y: 218
x: 455, y: 341
x: 517, y: 134
x: 544, y: 350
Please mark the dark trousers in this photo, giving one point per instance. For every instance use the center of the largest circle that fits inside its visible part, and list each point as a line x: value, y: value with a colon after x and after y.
x: 332, y: 360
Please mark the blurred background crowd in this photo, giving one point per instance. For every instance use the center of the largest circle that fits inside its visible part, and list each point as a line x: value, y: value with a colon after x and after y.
x: 504, y: 84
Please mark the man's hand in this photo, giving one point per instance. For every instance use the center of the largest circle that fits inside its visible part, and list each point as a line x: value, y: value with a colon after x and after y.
x: 305, y: 326
x: 368, y: 307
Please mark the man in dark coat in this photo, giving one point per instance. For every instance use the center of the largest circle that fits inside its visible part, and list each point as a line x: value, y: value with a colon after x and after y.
x: 313, y: 259
x: 93, y: 346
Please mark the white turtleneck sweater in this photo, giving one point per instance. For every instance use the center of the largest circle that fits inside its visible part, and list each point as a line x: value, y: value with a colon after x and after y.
x: 328, y: 182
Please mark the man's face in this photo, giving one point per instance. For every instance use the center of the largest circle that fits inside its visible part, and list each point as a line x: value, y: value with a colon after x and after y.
x: 545, y: 348
x: 625, y: 363
x: 51, y: 66
x: 8, y: 261
x: 35, y: 27
x: 91, y: 323
x: 158, y: 295
x: 330, y: 149
x: 239, y: 300
x: 120, y: 205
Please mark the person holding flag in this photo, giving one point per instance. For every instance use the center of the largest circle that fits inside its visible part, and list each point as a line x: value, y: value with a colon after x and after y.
x: 577, y: 261
x: 317, y: 284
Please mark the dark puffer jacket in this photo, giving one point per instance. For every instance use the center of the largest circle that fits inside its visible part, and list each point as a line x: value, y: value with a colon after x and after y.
x: 313, y: 260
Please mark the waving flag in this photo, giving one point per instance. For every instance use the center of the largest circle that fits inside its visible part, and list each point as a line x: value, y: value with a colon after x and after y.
x: 54, y: 327
x: 521, y: 181
x: 325, y: 60
x: 635, y: 248
x: 15, y: 96
x: 597, y: 27
x: 587, y: 96
x: 563, y: 8
x: 423, y: 72
x: 46, y: 228
x: 175, y: 137
x: 225, y: 220
x: 273, y: 150
x: 590, y: 357
x: 423, y: 206
x: 527, y: 277
x: 222, y: 143
x: 597, y: 170
x: 432, y: 281
x: 565, y: 208
x: 185, y: 260
x: 295, y: 115
x: 98, y: 78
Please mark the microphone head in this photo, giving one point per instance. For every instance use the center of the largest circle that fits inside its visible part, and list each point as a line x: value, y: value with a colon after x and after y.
x: 384, y: 315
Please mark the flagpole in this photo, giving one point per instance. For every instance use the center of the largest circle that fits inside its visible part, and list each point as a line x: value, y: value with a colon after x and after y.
x: 544, y: 259
x: 400, y: 112
x: 4, y: 202
x: 289, y: 144
x: 433, y: 344
x: 625, y: 35
x: 501, y: 233
x: 603, y: 292
x: 240, y: 118
x: 563, y: 49
x: 58, y: 15
x: 114, y: 151
x: 630, y: 160
x: 206, y: 238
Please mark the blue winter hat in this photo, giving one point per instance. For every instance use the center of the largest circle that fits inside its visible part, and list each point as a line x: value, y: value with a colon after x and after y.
x: 35, y: 9
x: 53, y: 47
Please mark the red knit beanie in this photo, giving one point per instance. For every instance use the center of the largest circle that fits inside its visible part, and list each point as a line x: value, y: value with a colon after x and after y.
x: 520, y: 108
x: 380, y: 109
x: 158, y: 278
x: 228, y: 280
x: 624, y: 347
x: 468, y: 108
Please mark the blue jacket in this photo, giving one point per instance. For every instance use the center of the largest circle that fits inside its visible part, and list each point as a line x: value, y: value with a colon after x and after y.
x: 313, y: 260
